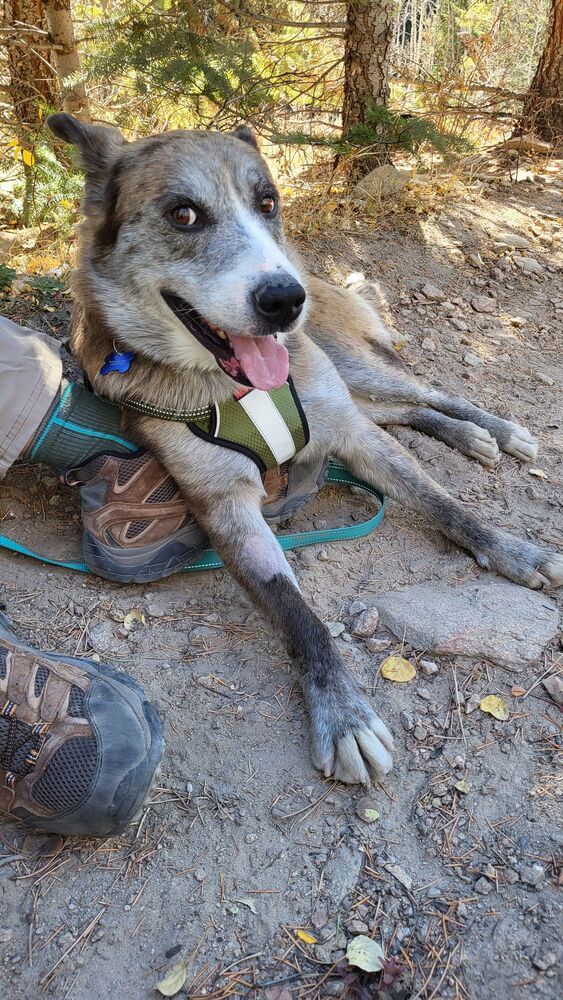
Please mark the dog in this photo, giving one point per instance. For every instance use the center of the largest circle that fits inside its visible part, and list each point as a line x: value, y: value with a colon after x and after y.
x: 183, y: 261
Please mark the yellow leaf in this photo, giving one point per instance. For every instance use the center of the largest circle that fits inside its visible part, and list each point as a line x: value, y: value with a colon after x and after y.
x: 462, y: 787
x: 65, y: 203
x: 365, y: 953
x: 28, y: 157
x: 495, y: 706
x: 173, y: 982
x: 395, y: 668
x: 133, y: 619
x: 13, y: 144
x: 306, y: 937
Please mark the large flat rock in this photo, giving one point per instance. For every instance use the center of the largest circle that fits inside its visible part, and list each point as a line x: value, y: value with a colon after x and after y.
x: 500, y: 621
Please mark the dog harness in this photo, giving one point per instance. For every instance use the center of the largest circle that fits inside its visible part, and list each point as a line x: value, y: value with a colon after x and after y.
x: 269, y: 427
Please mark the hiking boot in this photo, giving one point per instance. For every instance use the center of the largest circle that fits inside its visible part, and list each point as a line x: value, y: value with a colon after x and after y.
x: 79, y: 742
x: 137, y: 526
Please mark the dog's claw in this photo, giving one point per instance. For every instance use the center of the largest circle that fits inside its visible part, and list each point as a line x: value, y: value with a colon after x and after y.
x: 350, y: 742
x: 521, y: 444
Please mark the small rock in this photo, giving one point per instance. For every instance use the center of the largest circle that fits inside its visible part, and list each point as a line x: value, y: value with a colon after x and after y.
x: 483, y: 886
x: 512, y: 240
x: 357, y: 927
x: 429, y: 668
x: 366, y: 809
x: 528, y: 265
x: 432, y: 293
x: 554, y: 687
x: 544, y: 378
x: 423, y: 693
x: 323, y: 953
x: 377, y: 645
x: 382, y: 182
x: 407, y: 721
x: 419, y: 733
x: 323, y: 555
x: 6, y: 934
x: 434, y: 892
x: 511, y: 876
x: 366, y: 624
x: 471, y: 359
x: 459, y: 324
x: 474, y: 259
x: 532, y: 874
x: 543, y: 962
x: 472, y: 703
x: 336, y: 628
x: 483, y: 304
x: 156, y: 611
x: 428, y: 344
x: 517, y: 321
x: 357, y: 607
x: 199, y: 874
x: 319, y: 918
x: 334, y: 988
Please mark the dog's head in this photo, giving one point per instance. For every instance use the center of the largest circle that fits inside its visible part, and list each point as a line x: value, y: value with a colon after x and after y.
x: 184, y: 249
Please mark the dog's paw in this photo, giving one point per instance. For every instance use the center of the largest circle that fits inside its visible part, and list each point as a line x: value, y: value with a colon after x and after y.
x: 521, y: 444
x: 349, y: 741
x: 523, y: 563
x: 481, y: 445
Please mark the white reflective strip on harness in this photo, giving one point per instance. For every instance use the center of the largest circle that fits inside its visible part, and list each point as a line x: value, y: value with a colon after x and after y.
x: 270, y: 424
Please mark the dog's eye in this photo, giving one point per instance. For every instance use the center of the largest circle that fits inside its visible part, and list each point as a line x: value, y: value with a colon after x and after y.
x: 184, y: 216
x: 267, y: 204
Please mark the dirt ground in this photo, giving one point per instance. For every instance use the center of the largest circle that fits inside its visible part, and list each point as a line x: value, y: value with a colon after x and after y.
x: 243, y: 846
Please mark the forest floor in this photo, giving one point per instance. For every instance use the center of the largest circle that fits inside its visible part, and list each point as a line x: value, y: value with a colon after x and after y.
x: 247, y: 867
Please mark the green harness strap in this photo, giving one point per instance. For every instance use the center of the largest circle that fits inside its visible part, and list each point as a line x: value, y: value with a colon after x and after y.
x: 210, y: 560
x: 268, y: 427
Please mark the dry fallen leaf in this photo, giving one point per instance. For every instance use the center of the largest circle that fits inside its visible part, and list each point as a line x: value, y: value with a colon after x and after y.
x: 462, y: 786
x: 133, y: 619
x: 247, y: 901
x: 365, y: 954
x: 495, y: 706
x: 517, y: 692
x: 173, y: 982
x: 537, y: 472
x: 395, y: 668
x: 306, y: 937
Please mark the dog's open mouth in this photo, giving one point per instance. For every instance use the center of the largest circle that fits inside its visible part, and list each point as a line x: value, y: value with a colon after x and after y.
x: 260, y: 362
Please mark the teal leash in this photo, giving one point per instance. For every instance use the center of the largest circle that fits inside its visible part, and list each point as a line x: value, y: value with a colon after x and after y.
x: 296, y: 540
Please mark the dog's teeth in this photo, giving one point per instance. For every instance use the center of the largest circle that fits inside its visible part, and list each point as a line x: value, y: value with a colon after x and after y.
x: 220, y: 334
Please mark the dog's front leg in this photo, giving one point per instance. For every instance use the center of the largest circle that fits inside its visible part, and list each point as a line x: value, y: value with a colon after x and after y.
x: 375, y: 456
x: 349, y: 741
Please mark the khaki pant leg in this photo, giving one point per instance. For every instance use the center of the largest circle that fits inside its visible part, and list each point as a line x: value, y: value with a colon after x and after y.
x: 30, y: 377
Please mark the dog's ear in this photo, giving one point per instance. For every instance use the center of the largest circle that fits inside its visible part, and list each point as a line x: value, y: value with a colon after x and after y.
x: 245, y: 134
x: 98, y: 146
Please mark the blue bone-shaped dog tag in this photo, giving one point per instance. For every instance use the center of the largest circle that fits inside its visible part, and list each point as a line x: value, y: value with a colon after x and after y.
x: 117, y: 362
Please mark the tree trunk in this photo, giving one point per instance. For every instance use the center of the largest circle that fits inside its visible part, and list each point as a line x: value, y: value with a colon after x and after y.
x: 543, y: 108
x: 32, y: 78
x: 368, y: 37
x: 67, y: 60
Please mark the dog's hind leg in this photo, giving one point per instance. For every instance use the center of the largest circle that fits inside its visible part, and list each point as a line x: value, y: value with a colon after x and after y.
x: 374, y: 379
x: 463, y: 435
x: 375, y: 456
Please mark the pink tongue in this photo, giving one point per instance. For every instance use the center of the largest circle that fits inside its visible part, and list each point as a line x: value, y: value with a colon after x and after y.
x: 264, y: 362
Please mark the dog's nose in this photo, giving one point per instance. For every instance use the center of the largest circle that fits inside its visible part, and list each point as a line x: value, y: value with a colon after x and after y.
x: 279, y: 302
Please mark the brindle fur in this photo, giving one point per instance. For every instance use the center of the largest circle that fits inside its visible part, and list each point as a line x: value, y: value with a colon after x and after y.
x: 348, y: 377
